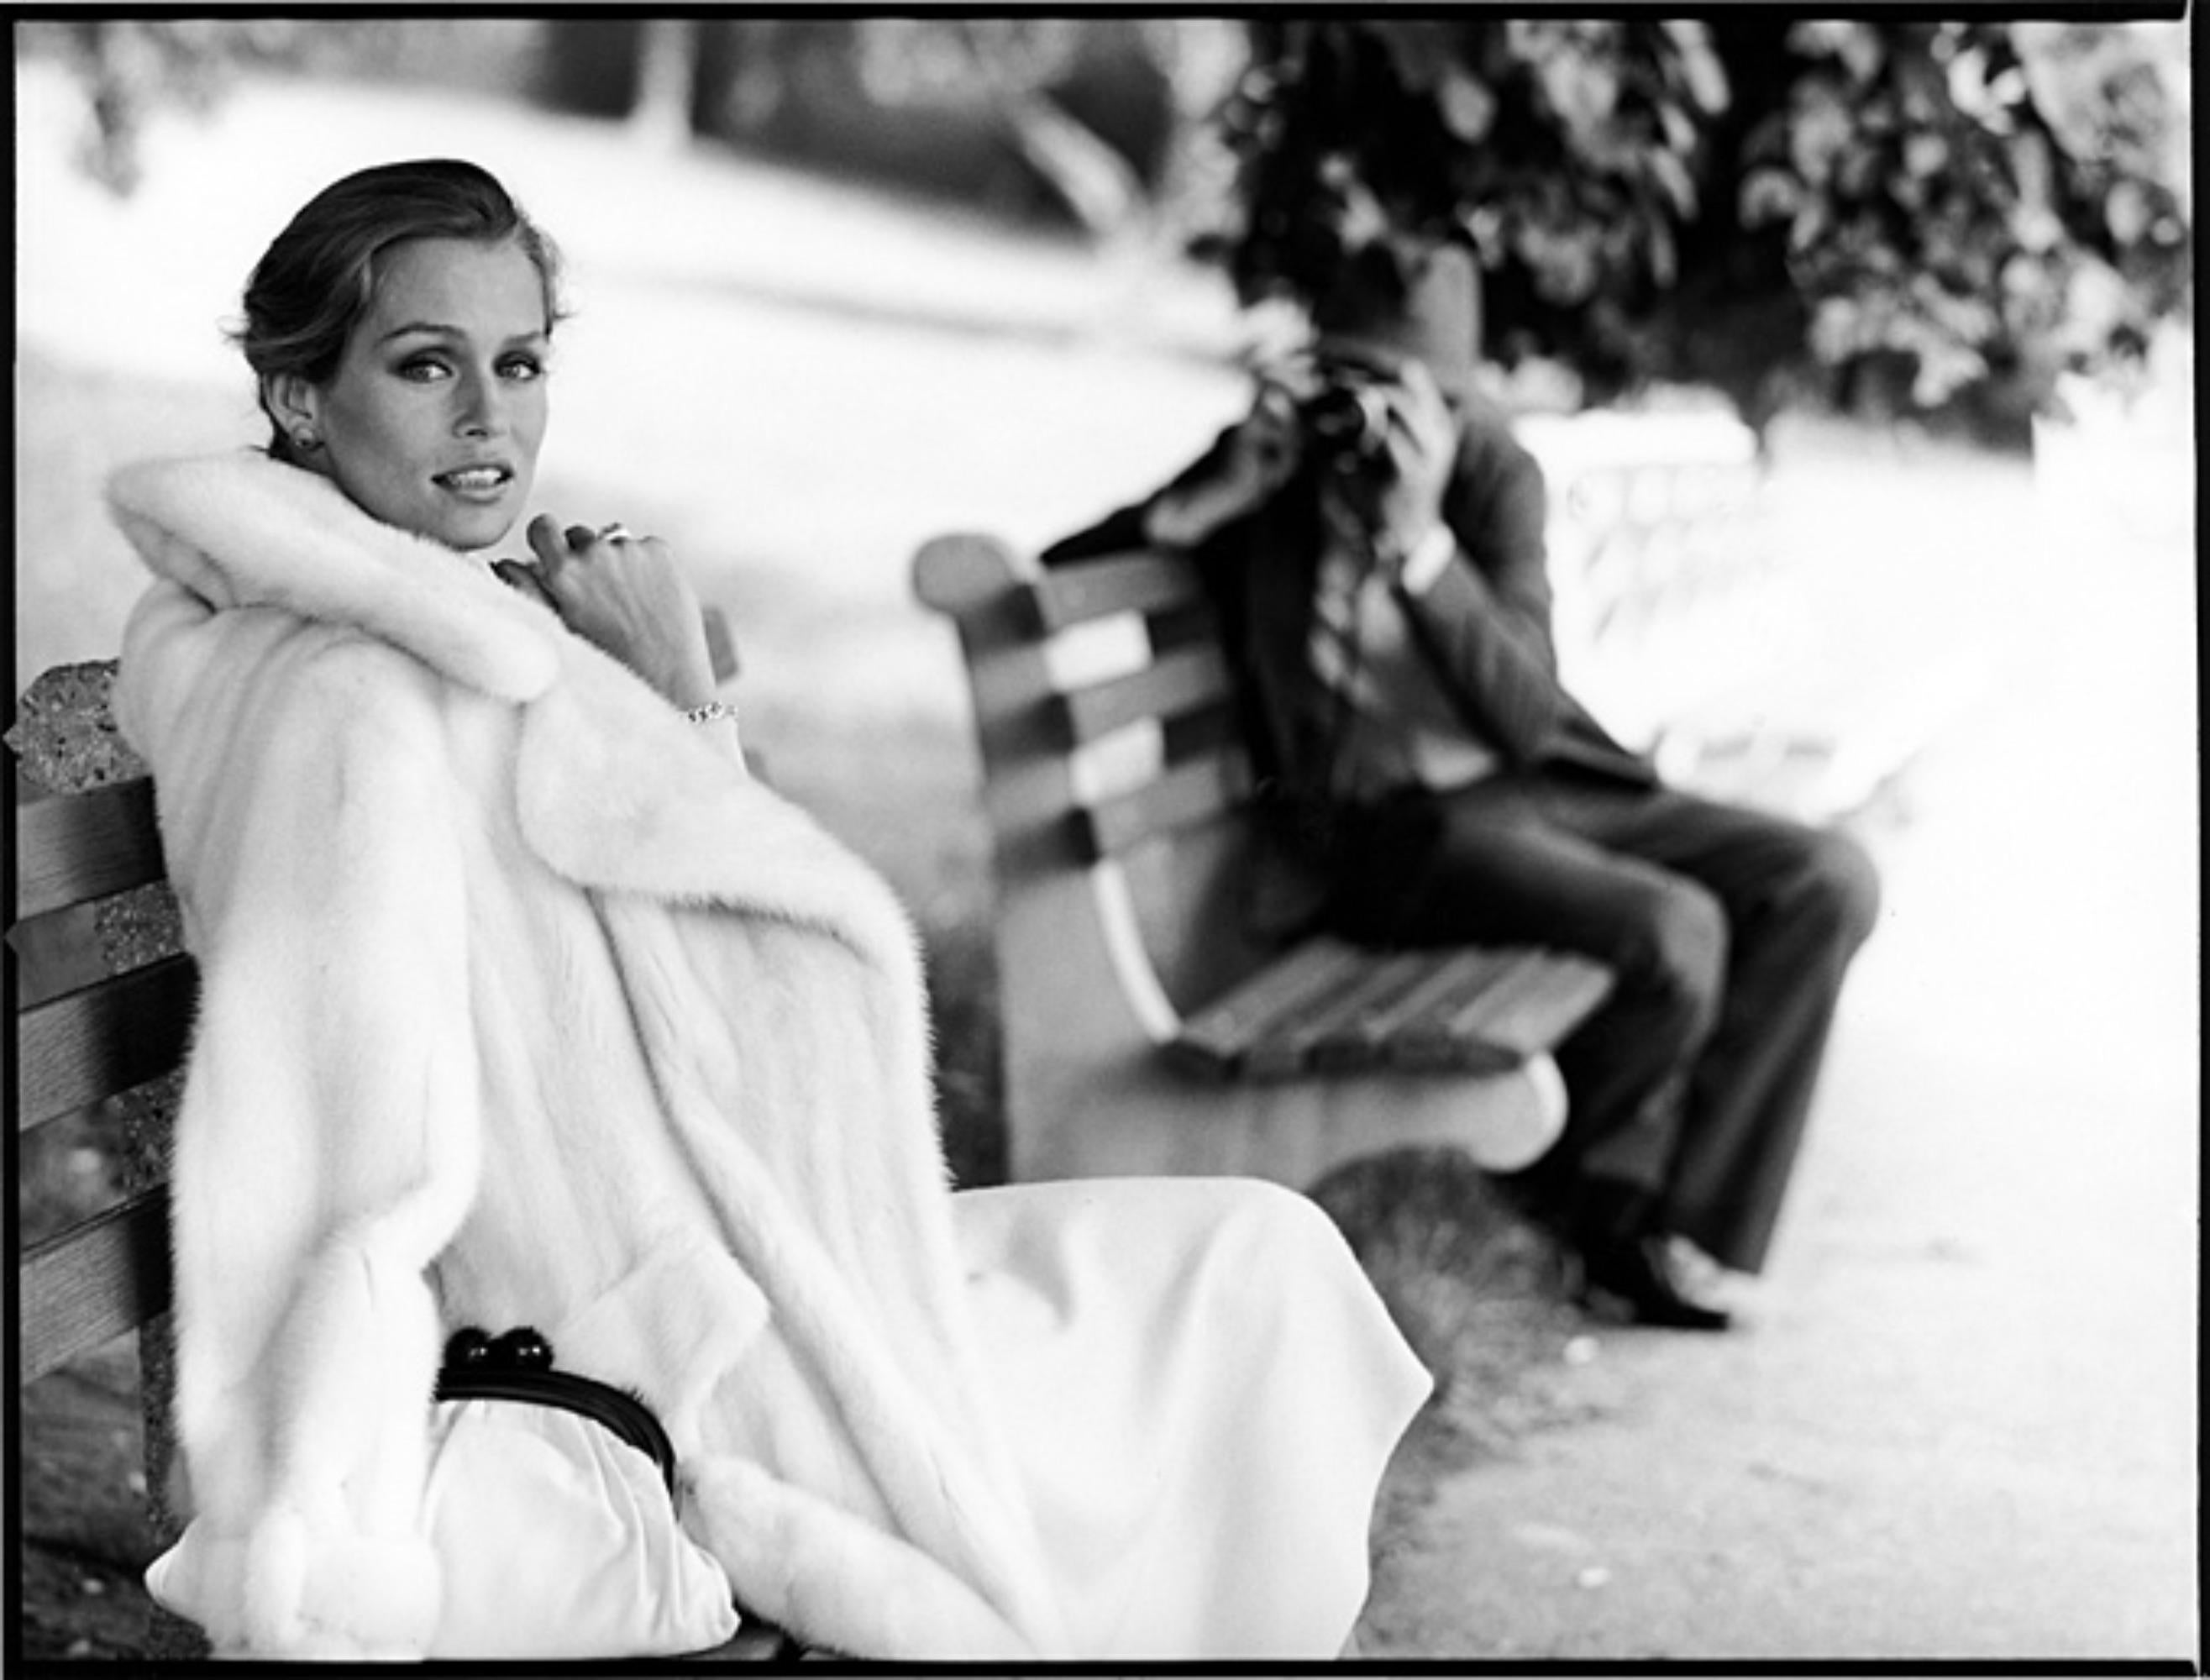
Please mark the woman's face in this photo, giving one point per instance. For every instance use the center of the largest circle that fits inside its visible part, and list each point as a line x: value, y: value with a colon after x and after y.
x: 433, y: 419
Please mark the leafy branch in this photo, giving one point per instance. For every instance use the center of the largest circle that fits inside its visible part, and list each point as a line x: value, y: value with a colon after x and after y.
x: 1741, y: 199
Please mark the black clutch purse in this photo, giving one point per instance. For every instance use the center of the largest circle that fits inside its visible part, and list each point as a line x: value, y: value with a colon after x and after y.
x: 517, y: 1365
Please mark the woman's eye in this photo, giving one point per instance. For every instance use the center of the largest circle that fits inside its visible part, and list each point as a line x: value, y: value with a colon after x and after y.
x: 523, y: 367
x: 423, y: 369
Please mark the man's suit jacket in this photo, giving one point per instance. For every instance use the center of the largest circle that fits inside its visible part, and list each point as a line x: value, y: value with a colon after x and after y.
x: 1484, y: 623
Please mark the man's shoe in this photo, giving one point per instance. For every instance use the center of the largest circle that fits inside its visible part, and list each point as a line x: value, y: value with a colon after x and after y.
x: 1634, y: 1271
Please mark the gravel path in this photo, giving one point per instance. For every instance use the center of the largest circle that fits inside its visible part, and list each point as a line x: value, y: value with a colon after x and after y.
x: 1961, y: 1423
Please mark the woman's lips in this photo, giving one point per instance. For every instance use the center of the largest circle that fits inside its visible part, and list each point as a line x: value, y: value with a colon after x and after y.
x: 475, y: 481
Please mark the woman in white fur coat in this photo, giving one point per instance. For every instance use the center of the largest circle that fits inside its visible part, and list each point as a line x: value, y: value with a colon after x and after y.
x: 522, y: 1005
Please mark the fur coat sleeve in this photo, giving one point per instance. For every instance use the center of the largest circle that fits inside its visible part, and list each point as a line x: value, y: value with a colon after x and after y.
x: 335, y: 712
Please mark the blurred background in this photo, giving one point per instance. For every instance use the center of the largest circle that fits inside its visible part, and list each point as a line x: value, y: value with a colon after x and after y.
x: 841, y: 283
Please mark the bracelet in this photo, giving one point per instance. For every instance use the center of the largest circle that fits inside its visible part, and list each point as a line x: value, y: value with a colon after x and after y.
x: 712, y: 711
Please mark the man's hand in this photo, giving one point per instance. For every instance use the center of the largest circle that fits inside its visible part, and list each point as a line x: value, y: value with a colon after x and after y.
x: 1255, y: 460
x: 627, y: 596
x: 1419, y: 451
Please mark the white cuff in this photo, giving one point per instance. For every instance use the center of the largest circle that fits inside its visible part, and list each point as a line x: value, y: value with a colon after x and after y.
x: 1428, y: 556
x: 1169, y: 523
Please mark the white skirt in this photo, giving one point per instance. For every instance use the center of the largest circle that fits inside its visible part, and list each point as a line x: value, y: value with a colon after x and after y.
x: 1202, y: 1392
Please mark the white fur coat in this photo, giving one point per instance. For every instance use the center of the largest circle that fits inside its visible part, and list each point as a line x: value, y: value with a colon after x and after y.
x: 524, y: 1004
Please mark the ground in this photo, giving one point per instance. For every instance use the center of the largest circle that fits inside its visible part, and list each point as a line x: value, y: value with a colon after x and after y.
x: 1959, y: 1422
x: 83, y: 1505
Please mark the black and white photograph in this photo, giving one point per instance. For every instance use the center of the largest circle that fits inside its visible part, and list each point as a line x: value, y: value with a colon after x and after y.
x: 1287, y: 838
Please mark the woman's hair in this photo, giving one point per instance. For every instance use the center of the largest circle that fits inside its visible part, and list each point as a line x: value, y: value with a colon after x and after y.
x: 317, y: 278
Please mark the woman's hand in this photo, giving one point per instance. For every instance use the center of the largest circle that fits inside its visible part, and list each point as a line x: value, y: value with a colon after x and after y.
x: 626, y: 595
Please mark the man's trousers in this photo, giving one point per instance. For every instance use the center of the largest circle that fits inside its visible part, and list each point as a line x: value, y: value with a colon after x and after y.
x: 1730, y: 932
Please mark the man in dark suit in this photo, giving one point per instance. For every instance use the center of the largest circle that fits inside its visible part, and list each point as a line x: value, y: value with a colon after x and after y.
x: 1377, y: 558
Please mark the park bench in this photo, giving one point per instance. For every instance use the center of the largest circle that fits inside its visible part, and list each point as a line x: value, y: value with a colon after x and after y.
x: 1144, y: 1029
x: 104, y: 993
x: 104, y: 996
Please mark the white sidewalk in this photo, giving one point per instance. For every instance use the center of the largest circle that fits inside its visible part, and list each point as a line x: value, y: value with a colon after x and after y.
x: 1962, y: 1423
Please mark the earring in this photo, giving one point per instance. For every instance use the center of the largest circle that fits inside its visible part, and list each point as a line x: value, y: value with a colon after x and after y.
x: 306, y: 442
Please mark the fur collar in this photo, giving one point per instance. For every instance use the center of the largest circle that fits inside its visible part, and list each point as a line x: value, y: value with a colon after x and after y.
x: 244, y: 530
x: 614, y: 789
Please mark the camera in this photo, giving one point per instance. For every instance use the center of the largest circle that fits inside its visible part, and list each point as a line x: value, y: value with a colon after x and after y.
x: 1344, y: 410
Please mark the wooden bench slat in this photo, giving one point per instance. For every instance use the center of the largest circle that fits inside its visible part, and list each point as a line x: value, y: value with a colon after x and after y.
x: 1135, y: 582
x: 56, y: 952
x: 1187, y: 794
x: 95, y: 1281
x: 1539, y: 1000
x: 1441, y: 1029
x: 1289, y: 1046
x: 104, y: 1038
x: 1539, y: 997
x: 1441, y: 1010
x: 72, y: 847
x: 1330, y: 1007
x: 1184, y: 680
x: 1215, y: 1039
x: 1295, y: 1039
x: 1452, y: 975
x: 1338, y: 1037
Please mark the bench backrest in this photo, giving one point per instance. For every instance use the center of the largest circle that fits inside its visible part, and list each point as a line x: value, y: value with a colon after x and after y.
x: 1105, y: 714
x: 101, y: 1011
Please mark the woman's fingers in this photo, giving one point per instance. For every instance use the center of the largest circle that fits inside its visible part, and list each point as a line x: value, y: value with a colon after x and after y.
x: 518, y: 575
x: 556, y: 543
x: 625, y: 595
x: 550, y: 543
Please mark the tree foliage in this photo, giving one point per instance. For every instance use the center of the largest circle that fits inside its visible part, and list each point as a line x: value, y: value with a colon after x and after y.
x: 1904, y: 212
x: 1981, y: 198
x: 1736, y: 199
x: 1566, y: 152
